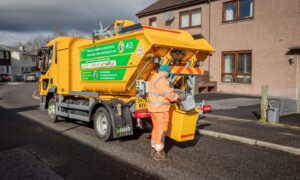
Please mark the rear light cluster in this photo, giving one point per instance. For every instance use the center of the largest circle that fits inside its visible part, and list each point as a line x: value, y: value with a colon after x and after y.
x: 207, y: 108
x: 140, y: 114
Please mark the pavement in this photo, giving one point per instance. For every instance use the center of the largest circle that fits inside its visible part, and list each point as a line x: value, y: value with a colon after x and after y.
x: 291, y: 119
x: 71, y: 150
x: 242, y: 107
x: 281, y: 136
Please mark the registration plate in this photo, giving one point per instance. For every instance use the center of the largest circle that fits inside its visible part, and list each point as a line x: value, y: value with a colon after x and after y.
x: 141, y: 103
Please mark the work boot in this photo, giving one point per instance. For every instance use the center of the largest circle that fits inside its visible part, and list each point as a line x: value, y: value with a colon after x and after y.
x: 160, y: 156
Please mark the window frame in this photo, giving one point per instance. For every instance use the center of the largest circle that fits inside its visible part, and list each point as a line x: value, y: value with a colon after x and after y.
x: 236, y: 60
x: 151, y: 20
x: 190, y: 18
x: 6, y: 55
x: 237, y: 4
x: 50, y: 57
x: 3, y: 52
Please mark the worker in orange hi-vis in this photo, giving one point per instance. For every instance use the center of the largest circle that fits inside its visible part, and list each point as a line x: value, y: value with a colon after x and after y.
x: 160, y: 97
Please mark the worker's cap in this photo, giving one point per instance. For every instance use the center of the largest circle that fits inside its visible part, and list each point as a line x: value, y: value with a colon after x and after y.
x: 165, y: 68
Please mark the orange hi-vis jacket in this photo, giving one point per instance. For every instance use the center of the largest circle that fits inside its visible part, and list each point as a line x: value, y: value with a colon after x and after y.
x: 160, y: 94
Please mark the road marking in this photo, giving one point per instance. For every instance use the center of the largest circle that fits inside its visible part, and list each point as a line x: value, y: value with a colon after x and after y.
x: 15, y: 83
x: 210, y: 122
x: 35, y: 96
x: 288, y: 134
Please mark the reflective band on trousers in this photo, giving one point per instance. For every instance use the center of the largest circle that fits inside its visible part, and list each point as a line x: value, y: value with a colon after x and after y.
x: 158, y: 103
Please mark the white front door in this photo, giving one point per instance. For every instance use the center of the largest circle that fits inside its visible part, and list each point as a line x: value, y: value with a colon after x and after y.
x: 2, y: 69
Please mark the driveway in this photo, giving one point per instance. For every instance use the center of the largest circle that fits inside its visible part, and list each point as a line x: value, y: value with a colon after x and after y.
x: 247, y: 107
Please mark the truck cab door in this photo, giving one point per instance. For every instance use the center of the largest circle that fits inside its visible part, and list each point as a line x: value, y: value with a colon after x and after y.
x: 46, y: 61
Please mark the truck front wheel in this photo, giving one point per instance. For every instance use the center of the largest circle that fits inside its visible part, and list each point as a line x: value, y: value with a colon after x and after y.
x: 52, y: 110
x: 103, y: 124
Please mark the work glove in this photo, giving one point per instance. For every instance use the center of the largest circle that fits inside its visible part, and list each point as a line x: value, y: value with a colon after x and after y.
x: 182, y: 96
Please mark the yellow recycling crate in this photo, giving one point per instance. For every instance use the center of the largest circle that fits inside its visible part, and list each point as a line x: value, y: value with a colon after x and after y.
x: 182, y: 125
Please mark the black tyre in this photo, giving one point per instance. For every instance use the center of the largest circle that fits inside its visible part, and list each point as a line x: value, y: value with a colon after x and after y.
x: 52, y: 110
x: 103, y: 124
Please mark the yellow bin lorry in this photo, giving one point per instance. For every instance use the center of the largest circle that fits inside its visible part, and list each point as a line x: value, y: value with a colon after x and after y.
x: 104, y: 79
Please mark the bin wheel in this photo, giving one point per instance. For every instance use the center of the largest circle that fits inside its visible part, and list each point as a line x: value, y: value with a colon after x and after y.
x: 52, y: 110
x: 103, y: 124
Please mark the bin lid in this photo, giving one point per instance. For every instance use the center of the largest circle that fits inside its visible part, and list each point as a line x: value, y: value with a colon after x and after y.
x: 273, y: 109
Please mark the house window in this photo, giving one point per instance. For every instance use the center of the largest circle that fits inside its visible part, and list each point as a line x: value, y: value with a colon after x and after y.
x: 153, y: 22
x: 237, y: 10
x: 246, y: 9
x: 191, y: 18
x: 230, y: 11
x: 1, y: 55
x: 185, y: 20
x: 237, y: 66
x: 6, y: 55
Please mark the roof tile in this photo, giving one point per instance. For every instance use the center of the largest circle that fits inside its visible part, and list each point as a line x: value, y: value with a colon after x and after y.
x: 165, y: 5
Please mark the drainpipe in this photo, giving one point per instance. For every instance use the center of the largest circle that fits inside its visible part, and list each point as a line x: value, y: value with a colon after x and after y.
x: 209, y: 16
x: 298, y: 82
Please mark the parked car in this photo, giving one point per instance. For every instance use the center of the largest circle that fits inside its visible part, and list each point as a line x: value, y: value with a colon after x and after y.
x: 37, y: 75
x: 31, y: 77
x: 20, y: 77
x: 5, y: 77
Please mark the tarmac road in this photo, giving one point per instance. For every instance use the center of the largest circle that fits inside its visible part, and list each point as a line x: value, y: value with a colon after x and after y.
x: 33, y: 148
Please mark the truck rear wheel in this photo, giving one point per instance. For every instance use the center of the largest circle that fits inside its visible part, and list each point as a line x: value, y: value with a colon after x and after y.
x: 52, y: 110
x: 103, y: 124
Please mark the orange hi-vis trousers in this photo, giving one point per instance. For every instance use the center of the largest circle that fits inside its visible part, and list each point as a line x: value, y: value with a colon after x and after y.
x: 160, y: 121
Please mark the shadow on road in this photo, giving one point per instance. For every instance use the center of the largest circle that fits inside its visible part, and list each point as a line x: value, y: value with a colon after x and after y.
x: 136, y: 135
x: 170, y: 143
x: 69, y: 158
x: 74, y: 121
x: 256, y: 114
x: 203, y: 125
x: 22, y: 109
